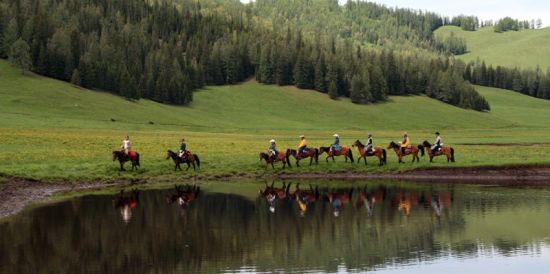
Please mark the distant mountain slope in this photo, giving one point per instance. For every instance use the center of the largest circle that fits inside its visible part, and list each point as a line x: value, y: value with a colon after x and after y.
x: 525, y: 48
x: 31, y: 101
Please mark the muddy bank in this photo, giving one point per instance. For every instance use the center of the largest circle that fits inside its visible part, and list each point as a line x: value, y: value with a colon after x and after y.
x: 16, y: 193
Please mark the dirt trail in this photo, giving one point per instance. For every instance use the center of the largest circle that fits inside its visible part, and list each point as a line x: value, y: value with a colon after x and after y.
x: 16, y: 193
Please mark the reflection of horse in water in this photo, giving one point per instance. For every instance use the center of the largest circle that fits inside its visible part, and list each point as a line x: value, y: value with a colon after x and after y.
x: 183, y: 196
x: 272, y: 194
x: 367, y: 200
x: 338, y: 199
x: 305, y: 197
x: 126, y: 203
x: 405, y: 201
x: 437, y: 201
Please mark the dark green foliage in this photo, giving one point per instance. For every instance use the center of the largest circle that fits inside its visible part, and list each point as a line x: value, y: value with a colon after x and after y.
x: 452, y: 45
x: 165, y: 50
x: 507, y: 24
x: 20, y: 55
x: 469, y: 23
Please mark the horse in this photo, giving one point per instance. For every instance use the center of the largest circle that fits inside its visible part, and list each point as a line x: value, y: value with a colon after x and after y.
x: 312, y: 153
x: 344, y: 151
x: 269, y: 160
x: 449, y: 152
x: 126, y: 204
x: 272, y: 194
x: 367, y: 200
x: 412, y: 150
x: 305, y: 197
x: 183, y: 196
x: 191, y: 159
x: 378, y: 152
x: 123, y: 158
x: 338, y: 199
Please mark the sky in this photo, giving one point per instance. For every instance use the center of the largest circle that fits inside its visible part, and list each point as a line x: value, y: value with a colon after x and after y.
x: 484, y: 9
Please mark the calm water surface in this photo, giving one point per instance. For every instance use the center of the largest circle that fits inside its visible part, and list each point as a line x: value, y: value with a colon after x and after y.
x: 332, y: 227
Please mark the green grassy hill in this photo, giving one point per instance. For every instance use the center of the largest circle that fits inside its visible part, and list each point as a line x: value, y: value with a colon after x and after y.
x: 525, y: 48
x: 51, y: 129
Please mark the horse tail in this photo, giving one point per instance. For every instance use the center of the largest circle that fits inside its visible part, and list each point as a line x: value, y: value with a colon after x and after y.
x: 452, y: 155
x: 351, y: 155
x: 384, y: 156
x: 198, y: 160
x: 421, y: 148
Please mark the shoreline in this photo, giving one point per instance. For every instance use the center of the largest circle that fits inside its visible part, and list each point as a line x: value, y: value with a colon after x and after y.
x: 16, y: 193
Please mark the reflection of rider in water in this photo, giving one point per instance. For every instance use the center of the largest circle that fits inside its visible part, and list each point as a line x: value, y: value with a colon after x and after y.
x: 336, y: 206
x: 437, y: 206
x: 271, y: 199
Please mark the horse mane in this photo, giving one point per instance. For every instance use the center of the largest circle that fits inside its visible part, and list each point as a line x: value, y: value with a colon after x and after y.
x: 426, y: 143
x: 358, y: 142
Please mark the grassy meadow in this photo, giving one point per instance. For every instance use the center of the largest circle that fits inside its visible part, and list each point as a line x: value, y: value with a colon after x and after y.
x: 525, y: 48
x: 52, y: 130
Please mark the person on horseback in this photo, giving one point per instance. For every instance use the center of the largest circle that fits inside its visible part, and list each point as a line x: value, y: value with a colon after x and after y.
x: 126, y: 145
x: 437, y: 144
x: 273, y: 149
x: 335, y: 147
x: 183, y: 149
x: 302, y: 147
x: 405, y: 143
x: 370, y: 145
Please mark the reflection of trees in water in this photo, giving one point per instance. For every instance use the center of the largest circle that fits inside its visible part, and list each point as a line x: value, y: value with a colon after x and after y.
x: 225, y: 231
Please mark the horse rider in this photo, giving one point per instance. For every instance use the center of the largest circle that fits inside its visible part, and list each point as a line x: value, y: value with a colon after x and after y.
x: 126, y: 145
x: 405, y: 143
x: 437, y: 144
x: 335, y: 147
x: 273, y: 149
x: 370, y: 145
x: 302, y: 147
x: 183, y: 148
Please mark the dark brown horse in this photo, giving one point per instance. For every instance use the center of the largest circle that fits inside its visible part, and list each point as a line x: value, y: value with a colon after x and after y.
x: 126, y: 203
x: 411, y: 150
x: 270, y: 160
x: 344, y: 151
x: 449, y: 152
x: 312, y: 153
x: 190, y: 159
x: 367, y: 200
x: 123, y: 158
x: 378, y: 152
x: 183, y: 196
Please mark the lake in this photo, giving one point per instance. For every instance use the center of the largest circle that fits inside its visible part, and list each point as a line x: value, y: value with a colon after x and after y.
x: 379, y: 227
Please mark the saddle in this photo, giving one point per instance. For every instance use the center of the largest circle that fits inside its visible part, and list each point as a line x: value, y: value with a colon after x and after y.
x: 132, y: 154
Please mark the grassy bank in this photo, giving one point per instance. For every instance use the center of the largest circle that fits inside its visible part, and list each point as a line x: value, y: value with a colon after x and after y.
x: 52, y: 130
x: 525, y: 48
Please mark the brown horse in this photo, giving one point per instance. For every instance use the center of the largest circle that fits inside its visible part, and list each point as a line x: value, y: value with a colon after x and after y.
x: 367, y: 200
x: 312, y: 153
x: 123, y: 158
x: 411, y: 150
x: 190, y: 159
x: 449, y: 152
x: 378, y: 152
x: 273, y: 194
x: 305, y: 197
x: 344, y: 151
x: 269, y: 160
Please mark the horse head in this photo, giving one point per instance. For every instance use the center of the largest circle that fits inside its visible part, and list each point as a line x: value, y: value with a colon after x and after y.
x: 393, y: 145
x: 357, y: 143
x: 169, y: 154
x: 115, y: 155
x: 426, y: 144
x: 263, y: 156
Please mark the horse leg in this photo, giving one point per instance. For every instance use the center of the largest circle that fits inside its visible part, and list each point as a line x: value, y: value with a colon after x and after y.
x: 297, y: 162
x: 310, y: 161
x: 333, y: 158
x: 121, y: 166
x: 327, y: 158
x: 365, y: 158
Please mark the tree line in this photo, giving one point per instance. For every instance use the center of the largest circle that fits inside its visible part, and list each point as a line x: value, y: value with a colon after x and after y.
x: 163, y: 51
x: 532, y: 82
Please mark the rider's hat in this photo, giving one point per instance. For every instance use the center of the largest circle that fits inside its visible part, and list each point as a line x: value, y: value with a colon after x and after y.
x: 272, y: 141
x: 404, y: 133
x: 370, y: 134
x: 335, y: 135
x: 302, y: 136
x: 437, y: 133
